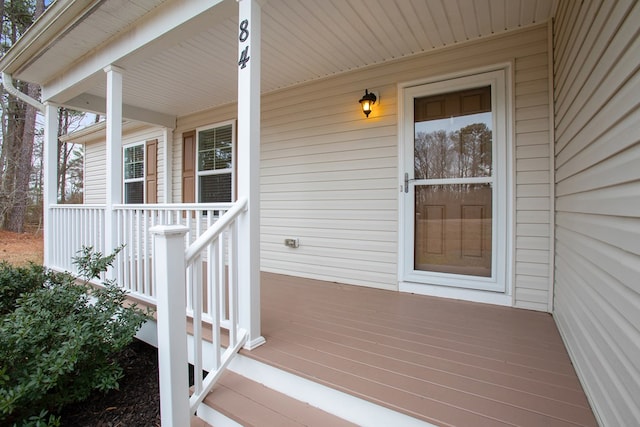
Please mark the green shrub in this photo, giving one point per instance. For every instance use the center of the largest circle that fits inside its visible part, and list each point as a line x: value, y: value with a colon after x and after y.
x: 15, y: 281
x: 59, y: 343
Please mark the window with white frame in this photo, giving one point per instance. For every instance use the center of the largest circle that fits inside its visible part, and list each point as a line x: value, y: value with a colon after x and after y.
x: 215, y: 160
x: 133, y: 168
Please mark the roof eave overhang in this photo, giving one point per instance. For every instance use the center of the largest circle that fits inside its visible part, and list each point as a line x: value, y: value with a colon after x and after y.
x: 58, y: 18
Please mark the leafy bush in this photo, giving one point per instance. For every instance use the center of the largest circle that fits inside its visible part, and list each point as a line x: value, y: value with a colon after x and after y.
x: 59, y: 342
x: 15, y: 281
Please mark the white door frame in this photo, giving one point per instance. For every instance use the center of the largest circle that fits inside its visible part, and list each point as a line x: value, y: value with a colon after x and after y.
x: 498, y: 288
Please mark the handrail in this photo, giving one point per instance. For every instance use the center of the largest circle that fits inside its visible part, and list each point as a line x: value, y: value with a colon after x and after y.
x: 214, y: 231
x: 173, y: 206
x: 78, y: 206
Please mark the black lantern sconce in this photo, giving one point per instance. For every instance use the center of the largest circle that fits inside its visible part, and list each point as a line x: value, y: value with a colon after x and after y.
x: 367, y: 101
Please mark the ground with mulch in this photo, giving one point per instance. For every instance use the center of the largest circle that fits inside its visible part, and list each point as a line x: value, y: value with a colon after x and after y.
x: 137, y: 401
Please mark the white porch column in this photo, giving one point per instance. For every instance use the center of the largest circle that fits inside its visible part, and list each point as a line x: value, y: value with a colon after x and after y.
x: 167, y: 192
x: 50, y: 175
x: 114, y: 155
x: 249, y: 169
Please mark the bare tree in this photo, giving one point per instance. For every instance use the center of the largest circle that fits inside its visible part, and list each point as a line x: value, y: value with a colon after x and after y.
x: 70, y: 157
x: 18, y: 138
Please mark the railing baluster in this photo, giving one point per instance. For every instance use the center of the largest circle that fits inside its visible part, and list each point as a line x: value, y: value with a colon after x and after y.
x: 190, y: 227
x: 198, y: 220
x: 72, y: 237
x: 129, y: 242
x: 222, y: 276
x: 122, y: 258
x: 145, y: 253
x: 214, y: 298
x: 156, y: 221
x: 196, y: 295
x: 233, y: 285
x: 189, y: 290
x: 138, y: 261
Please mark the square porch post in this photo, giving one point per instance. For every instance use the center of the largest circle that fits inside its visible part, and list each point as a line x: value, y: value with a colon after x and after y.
x: 114, y: 157
x: 167, y: 191
x: 50, y: 175
x: 249, y: 169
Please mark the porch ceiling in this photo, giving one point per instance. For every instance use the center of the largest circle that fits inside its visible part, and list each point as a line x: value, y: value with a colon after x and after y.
x: 196, y: 67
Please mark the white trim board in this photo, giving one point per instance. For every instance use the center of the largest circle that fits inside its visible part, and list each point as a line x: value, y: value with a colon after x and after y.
x: 473, y: 295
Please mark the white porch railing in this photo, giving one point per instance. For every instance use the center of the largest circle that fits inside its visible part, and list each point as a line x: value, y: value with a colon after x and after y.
x: 74, y: 226
x: 208, y: 271
x: 133, y: 267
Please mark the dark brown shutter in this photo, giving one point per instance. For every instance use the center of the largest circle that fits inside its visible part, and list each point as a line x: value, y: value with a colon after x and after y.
x: 151, y: 171
x: 189, y: 167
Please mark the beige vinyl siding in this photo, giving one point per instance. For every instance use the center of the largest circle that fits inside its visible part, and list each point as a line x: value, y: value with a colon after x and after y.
x: 597, y: 151
x: 95, y: 177
x: 95, y: 155
x: 533, y: 181
x: 329, y: 176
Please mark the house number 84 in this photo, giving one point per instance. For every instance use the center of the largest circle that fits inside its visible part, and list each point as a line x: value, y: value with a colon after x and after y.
x: 244, y: 35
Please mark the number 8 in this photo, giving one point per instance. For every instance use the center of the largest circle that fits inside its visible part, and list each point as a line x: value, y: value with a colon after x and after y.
x: 244, y: 31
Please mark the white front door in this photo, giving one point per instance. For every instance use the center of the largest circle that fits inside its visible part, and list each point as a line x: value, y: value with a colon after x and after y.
x: 454, y: 192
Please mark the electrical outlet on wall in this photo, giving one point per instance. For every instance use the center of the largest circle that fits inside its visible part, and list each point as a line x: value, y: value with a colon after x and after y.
x: 292, y: 242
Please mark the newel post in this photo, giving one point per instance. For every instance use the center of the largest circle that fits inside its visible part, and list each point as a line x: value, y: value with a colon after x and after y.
x: 169, y: 276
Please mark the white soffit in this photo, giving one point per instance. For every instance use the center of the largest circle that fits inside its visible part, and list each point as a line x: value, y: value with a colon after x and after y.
x: 302, y: 40
x: 100, y: 23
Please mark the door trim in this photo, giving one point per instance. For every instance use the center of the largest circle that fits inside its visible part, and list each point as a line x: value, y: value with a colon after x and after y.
x: 448, y: 285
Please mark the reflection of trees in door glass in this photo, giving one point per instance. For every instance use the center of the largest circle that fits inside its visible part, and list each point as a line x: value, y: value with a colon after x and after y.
x: 460, y: 153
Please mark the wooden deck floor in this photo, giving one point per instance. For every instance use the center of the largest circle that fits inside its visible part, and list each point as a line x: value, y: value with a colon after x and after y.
x: 443, y: 361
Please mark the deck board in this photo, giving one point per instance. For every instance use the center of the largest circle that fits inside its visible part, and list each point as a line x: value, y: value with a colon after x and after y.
x: 444, y: 361
x: 253, y: 404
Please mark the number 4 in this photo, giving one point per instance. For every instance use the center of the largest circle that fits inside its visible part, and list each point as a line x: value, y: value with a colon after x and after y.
x: 244, y: 58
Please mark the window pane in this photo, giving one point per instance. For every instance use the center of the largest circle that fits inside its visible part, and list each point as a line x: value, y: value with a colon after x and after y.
x: 453, y: 229
x: 453, y: 137
x: 215, y: 148
x: 134, y: 162
x: 215, y: 188
x: 134, y: 192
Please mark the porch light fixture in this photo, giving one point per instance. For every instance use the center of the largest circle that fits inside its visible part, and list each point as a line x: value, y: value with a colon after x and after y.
x: 367, y: 101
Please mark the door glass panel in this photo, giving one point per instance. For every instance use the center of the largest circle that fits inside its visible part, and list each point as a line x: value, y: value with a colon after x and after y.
x: 453, y: 135
x: 453, y: 229
x: 453, y: 220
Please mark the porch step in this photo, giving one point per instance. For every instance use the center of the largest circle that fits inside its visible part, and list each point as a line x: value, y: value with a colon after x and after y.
x: 254, y: 393
x: 348, y: 409
x: 238, y: 401
x: 199, y: 422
